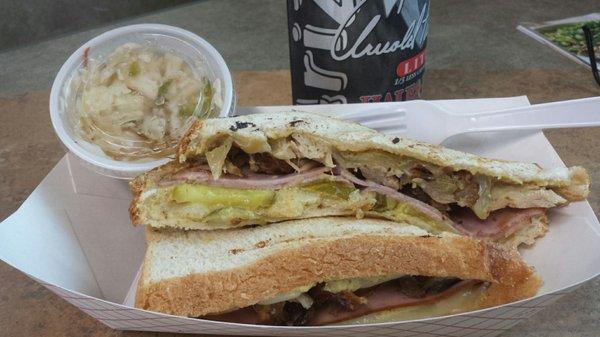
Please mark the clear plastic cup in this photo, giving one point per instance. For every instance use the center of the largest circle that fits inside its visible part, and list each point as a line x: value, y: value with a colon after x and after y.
x: 187, y: 45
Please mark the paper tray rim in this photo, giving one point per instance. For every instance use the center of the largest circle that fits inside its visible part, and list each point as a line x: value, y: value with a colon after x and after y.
x: 561, y: 291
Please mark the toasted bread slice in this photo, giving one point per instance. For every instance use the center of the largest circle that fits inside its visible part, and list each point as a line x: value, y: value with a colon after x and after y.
x: 287, y: 135
x: 196, y: 273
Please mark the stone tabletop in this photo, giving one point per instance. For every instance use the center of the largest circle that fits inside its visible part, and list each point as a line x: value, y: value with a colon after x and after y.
x: 491, y: 59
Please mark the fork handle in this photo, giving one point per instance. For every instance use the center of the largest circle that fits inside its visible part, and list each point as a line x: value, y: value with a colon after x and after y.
x: 573, y: 113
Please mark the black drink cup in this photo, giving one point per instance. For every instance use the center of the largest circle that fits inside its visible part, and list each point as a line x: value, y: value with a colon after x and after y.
x: 357, y: 51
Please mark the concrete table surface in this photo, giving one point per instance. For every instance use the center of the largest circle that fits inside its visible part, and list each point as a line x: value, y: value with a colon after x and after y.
x: 473, y: 51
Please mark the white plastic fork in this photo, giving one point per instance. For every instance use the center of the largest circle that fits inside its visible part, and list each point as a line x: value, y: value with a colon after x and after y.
x: 436, y: 125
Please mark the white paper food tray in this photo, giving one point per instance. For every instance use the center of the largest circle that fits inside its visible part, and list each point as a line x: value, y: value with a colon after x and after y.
x: 73, y: 236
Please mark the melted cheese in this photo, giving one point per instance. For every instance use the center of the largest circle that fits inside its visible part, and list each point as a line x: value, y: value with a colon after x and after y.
x: 287, y: 296
x: 354, y: 284
x: 461, y: 301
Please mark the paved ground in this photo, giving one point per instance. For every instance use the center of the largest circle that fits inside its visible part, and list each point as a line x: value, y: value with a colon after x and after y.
x: 31, y: 21
x: 250, y: 34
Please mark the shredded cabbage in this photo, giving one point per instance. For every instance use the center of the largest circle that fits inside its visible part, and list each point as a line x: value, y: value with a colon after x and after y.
x: 440, y: 189
x: 481, y: 208
x: 216, y: 158
x: 137, y: 103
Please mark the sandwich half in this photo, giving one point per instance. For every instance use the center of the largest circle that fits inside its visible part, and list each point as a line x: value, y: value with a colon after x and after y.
x: 330, y: 270
x: 266, y: 168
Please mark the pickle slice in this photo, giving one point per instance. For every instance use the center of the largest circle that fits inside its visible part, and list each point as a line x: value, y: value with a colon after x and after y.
x: 223, y: 197
x: 403, y: 212
x: 332, y: 189
x: 134, y: 69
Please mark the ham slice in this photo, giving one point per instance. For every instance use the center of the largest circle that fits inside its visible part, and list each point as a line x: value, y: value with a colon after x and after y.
x: 251, y: 181
x: 500, y: 224
x: 383, y: 297
x: 427, y: 210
